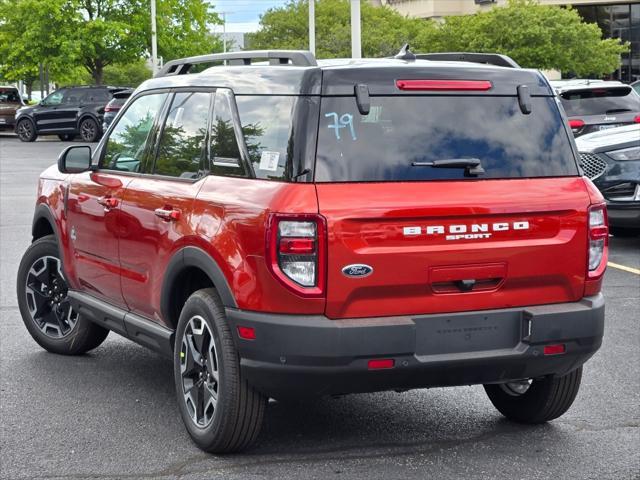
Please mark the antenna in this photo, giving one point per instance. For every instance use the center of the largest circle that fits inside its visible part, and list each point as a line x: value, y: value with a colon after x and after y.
x: 405, y: 54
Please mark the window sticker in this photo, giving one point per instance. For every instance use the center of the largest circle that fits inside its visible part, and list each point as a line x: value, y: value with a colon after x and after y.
x: 343, y: 121
x: 269, y: 161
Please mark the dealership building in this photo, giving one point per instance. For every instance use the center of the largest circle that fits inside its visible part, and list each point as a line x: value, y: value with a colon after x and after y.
x: 617, y: 19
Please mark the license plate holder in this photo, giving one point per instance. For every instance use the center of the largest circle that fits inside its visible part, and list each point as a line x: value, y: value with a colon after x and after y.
x: 460, y: 333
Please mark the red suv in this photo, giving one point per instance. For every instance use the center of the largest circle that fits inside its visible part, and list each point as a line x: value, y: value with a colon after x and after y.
x: 293, y: 228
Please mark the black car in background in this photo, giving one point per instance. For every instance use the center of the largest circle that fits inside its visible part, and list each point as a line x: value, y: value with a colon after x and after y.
x: 114, y: 106
x: 67, y: 112
x: 612, y: 160
x: 593, y: 105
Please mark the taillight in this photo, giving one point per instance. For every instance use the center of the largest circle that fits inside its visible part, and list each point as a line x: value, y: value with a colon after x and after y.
x: 636, y: 119
x: 296, y: 247
x: 455, y: 85
x: 575, y: 124
x: 598, y: 240
x: 111, y: 109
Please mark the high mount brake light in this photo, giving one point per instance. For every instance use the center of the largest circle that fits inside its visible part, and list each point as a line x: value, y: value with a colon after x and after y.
x: 296, y: 250
x: 598, y: 241
x: 439, y: 85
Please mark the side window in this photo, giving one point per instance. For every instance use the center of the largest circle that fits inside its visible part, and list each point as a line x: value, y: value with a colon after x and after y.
x: 181, y: 146
x: 267, y: 127
x: 225, y: 154
x: 55, y: 98
x: 73, y: 96
x: 95, y: 95
x: 125, y: 147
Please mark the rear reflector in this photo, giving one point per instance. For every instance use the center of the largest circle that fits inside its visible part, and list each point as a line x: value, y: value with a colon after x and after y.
x: 576, y: 123
x: 554, y: 349
x: 299, y: 246
x: 381, y: 363
x: 414, y: 85
x: 247, y: 333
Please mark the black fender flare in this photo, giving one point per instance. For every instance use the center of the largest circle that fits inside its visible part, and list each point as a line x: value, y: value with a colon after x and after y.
x: 194, y: 257
x: 44, y: 212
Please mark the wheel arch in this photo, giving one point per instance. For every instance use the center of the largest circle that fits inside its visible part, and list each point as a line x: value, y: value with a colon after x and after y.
x: 85, y: 115
x: 191, y: 269
x: 43, y: 223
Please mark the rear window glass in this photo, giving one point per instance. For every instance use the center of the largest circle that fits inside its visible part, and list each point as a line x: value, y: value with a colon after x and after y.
x: 266, y: 126
x: 399, y: 131
x: 600, y: 101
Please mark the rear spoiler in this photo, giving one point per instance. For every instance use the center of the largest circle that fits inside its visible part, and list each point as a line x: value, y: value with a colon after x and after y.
x: 486, y: 58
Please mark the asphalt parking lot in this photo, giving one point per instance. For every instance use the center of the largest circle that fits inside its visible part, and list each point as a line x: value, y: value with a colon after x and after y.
x: 112, y: 413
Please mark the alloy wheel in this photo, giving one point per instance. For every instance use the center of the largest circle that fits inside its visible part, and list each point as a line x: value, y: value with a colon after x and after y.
x: 25, y: 129
x: 88, y: 130
x: 46, y: 291
x: 199, y: 371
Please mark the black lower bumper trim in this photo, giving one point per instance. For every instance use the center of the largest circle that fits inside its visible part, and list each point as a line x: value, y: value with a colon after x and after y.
x: 313, y: 355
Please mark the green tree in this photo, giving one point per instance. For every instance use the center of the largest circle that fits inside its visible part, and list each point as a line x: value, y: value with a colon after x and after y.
x: 130, y: 74
x: 384, y: 30
x: 535, y: 36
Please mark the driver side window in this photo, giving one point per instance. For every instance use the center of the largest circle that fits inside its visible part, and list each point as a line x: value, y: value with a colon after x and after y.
x: 126, y: 144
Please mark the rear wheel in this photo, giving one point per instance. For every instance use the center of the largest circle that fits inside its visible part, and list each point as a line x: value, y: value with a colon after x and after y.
x: 535, y: 401
x: 26, y: 130
x: 220, y: 410
x: 89, y: 131
x: 66, y: 137
x: 45, y: 308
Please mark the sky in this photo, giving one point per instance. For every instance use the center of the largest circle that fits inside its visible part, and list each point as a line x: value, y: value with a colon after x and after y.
x: 243, y: 15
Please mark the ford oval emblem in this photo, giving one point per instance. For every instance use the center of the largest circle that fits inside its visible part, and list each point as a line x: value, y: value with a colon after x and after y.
x: 357, y: 270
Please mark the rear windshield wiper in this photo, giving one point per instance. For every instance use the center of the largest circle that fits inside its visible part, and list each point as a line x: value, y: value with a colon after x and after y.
x: 618, y: 110
x: 472, y: 166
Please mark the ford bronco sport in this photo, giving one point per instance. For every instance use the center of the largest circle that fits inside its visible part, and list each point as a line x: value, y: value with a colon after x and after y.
x: 294, y: 228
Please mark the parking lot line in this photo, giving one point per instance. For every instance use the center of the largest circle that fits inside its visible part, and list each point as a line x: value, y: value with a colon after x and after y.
x: 624, y: 267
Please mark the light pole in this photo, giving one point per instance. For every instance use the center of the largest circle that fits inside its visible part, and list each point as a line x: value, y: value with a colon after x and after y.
x: 356, y: 48
x: 312, y: 26
x: 154, y: 39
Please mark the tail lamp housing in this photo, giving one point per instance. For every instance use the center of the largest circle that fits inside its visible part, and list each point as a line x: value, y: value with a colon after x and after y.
x: 297, y: 252
x: 576, y: 124
x: 598, y: 248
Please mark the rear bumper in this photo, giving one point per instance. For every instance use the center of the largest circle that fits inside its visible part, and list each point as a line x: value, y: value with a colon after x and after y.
x: 313, y: 355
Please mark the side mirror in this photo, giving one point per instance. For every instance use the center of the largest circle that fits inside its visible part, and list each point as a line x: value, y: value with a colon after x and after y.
x: 75, y: 159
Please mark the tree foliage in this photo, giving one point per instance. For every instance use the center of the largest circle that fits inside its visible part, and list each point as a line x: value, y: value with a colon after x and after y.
x: 536, y: 36
x: 96, y: 34
x: 383, y: 30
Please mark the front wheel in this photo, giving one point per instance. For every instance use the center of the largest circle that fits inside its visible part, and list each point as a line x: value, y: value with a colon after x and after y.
x: 535, y: 401
x: 220, y: 410
x: 26, y: 130
x: 45, y: 307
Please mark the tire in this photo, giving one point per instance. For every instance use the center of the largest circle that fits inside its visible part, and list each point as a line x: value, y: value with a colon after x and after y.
x: 66, y: 137
x: 89, y: 130
x: 545, y: 399
x: 234, y: 421
x: 26, y: 130
x: 57, y: 329
x: 624, y: 232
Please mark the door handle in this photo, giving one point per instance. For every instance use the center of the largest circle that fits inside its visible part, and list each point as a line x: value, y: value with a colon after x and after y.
x: 169, y: 214
x: 108, y: 202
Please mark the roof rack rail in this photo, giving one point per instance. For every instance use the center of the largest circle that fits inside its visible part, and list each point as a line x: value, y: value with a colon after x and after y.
x: 298, y: 58
x: 489, y: 58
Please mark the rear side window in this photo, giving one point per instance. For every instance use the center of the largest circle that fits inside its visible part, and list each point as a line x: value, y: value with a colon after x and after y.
x: 181, y: 146
x: 9, y: 95
x: 400, y: 131
x: 600, y: 101
x: 267, y: 129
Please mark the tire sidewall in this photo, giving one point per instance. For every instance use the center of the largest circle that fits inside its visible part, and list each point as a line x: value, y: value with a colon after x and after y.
x: 196, y: 305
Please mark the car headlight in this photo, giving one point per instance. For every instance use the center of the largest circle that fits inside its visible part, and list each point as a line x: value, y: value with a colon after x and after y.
x: 632, y: 153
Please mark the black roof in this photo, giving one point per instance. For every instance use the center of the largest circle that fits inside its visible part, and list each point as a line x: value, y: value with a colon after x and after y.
x: 338, y: 76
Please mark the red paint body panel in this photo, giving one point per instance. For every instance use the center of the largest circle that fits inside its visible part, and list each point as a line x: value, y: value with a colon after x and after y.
x: 544, y: 263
